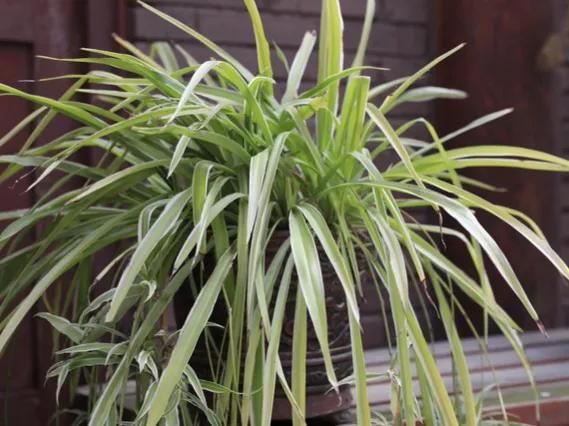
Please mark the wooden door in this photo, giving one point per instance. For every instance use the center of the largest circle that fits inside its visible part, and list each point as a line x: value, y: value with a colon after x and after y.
x: 499, y: 69
x: 29, y: 28
x: 20, y: 402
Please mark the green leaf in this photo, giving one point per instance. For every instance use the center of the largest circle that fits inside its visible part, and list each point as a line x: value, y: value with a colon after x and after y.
x: 334, y: 79
x: 212, y: 138
x: 429, y: 93
x: 330, y: 62
x: 72, y: 331
x: 459, y: 358
x: 89, y: 347
x: 207, y: 218
x: 189, y: 334
x: 200, y: 180
x: 299, y: 66
x: 155, y: 235
x: 350, y: 129
x: 21, y: 125
x: 310, y: 281
x: 298, y: 371
x: 69, y: 167
x: 394, y: 209
x: 384, y: 87
x: 396, y: 259
x: 178, y: 154
x: 505, y: 215
x: 197, y: 77
x: 467, y: 219
x: 32, y: 216
x: 115, y: 385
x: 369, y: 16
x: 76, y: 113
x: 394, y: 97
x: 320, y: 227
x: 262, y: 172
x: 257, y: 170
x: 138, y: 172
x: 424, y: 356
x: 271, y: 361
x: 477, y: 123
x: 205, y: 41
x: 399, y: 307
x: 195, y: 383
x: 71, y: 258
x: 263, y: 52
x: 380, y: 120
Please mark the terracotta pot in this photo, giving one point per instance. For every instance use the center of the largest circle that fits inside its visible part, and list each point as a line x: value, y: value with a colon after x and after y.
x: 320, y: 401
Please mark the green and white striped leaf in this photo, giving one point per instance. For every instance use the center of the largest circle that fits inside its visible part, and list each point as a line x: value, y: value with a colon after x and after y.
x: 189, y: 334
x: 155, y: 235
x: 307, y: 266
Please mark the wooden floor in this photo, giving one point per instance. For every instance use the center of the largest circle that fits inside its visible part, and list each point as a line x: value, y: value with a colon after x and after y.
x: 549, y: 358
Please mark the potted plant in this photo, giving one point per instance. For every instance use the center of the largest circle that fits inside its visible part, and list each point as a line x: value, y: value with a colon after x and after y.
x: 210, y: 183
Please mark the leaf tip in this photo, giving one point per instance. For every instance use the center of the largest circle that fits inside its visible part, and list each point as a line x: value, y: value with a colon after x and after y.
x: 541, y: 328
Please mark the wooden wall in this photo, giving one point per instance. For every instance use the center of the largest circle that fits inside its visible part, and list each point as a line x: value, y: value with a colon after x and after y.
x: 499, y: 68
x: 29, y: 28
x: 560, y: 74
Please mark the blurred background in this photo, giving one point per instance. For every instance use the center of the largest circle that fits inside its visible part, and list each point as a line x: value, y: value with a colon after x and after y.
x: 516, y: 56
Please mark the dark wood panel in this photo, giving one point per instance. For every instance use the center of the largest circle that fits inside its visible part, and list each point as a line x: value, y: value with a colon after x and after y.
x: 554, y: 412
x: 52, y: 28
x: 498, y: 69
x: 23, y: 409
x: 17, y: 365
x: 106, y: 17
x: 13, y: 196
x: 15, y: 22
x: 18, y: 56
x: 60, y: 27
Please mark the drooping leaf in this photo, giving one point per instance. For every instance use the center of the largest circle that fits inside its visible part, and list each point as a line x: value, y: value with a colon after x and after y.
x: 307, y: 266
x: 189, y: 334
x: 161, y: 227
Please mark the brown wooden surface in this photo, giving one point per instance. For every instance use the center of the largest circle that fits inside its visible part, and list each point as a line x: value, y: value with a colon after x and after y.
x: 27, y: 28
x: 18, y: 376
x: 554, y: 412
x: 498, y: 69
x: 549, y: 358
x: 560, y: 71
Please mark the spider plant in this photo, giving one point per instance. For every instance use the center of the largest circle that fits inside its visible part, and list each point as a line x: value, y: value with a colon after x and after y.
x: 204, y: 159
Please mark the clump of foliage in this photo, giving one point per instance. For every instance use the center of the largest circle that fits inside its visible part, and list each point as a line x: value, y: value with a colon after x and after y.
x: 204, y: 158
